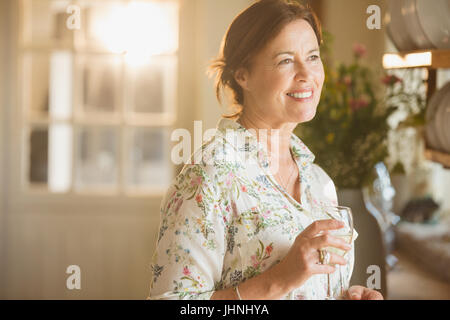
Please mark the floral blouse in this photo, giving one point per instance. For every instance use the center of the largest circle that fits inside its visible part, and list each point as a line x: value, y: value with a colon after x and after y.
x: 226, y: 219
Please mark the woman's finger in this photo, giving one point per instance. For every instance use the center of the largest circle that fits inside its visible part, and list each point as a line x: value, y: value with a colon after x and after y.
x: 323, y: 269
x: 370, y: 294
x: 328, y: 240
x: 320, y: 226
x: 355, y: 292
x: 334, y: 259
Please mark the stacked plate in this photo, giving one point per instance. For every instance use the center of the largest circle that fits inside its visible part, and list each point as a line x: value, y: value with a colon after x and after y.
x: 438, y: 120
x: 419, y: 24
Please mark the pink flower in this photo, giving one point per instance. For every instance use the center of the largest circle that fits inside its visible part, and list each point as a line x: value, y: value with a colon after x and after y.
x: 254, y: 261
x: 199, y: 198
x: 391, y: 80
x: 180, y: 202
x: 359, y: 50
x: 347, y: 80
x: 269, y: 249
x: 266, y: 214
x: 244, y: 189
x: 196, y: 181
x: 356, y: 104
x: 186, y: 271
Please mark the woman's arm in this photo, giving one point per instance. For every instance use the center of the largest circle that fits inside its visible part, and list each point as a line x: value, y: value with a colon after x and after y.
x: 269, y: 285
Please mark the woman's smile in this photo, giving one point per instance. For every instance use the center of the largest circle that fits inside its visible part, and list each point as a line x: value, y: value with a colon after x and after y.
x: 302, y: 95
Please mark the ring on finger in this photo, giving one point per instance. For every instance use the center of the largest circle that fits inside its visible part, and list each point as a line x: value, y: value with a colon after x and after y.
x: 324, y: 256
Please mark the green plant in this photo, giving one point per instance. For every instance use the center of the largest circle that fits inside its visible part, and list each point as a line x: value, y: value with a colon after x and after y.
x: 349, y: 132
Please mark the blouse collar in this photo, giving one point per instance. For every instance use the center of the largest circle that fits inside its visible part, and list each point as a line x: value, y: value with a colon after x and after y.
x: 238, y: 135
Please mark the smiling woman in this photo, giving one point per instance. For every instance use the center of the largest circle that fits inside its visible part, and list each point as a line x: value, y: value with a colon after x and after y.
x: 250, y: 223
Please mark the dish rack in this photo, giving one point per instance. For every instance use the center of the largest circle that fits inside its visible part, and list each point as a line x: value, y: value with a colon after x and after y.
x: 432, y: 60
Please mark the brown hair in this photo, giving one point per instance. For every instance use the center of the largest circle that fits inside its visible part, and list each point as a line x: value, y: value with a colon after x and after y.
x: 249, y: 32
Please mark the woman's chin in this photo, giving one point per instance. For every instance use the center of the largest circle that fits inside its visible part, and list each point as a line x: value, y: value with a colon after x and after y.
x: 304, y: 116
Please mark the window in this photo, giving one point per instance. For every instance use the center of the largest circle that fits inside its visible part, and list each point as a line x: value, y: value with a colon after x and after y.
x: 98, y: 87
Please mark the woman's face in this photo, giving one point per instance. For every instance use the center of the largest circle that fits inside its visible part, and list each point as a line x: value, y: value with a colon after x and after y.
x: 284, y: 81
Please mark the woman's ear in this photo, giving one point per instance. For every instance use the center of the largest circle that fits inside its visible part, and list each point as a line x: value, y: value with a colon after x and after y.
x: 241, y: 77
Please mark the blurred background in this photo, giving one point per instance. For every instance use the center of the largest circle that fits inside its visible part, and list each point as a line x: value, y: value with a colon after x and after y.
x: 90, y: 92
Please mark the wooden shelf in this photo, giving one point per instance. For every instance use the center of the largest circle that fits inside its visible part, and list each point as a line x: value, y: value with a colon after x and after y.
x: 432, y: 59
x: 438, y: 156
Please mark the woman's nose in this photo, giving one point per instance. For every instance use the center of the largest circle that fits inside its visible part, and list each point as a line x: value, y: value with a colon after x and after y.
x: 302, y: 73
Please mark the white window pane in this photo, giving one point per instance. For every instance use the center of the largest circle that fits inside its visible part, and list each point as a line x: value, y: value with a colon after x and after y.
x: 60, y: 158
x: 99, y: 82
x: 97, y: 154
x: 38, y: 156
x: 61, y: 75
x: 45, y: 21
x: 149, y: 163
x: 152, y: 87
x: 138, y: 28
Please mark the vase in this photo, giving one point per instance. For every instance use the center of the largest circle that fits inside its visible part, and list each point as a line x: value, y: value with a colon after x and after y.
x: 370, y: 252
x: 402, y: 185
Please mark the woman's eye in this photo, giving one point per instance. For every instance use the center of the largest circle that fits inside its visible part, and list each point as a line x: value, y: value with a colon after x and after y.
x: 314, y: 57
x: 286, y: 61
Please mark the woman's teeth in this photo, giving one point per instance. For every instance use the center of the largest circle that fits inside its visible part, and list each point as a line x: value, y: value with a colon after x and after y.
x: 300, y: 95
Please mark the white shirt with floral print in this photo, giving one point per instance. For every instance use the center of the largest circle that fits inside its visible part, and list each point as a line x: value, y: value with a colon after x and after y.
x: 226, y: 219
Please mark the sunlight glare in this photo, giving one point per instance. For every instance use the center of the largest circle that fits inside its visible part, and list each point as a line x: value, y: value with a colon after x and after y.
x: 139, y: 30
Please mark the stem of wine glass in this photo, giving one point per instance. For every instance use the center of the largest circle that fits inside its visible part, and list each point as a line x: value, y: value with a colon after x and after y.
x: 329, y: 287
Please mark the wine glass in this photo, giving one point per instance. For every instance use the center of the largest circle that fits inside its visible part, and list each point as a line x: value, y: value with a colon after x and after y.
x: 343, y: 214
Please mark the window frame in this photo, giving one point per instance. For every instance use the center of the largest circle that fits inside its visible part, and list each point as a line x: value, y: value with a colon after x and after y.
x: 25, y: 197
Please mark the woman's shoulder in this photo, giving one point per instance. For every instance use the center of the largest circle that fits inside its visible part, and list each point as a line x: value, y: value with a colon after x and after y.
x: 208, y: 167
x: 213, y: 154
x: 324, y: 183
x: 319, y: 173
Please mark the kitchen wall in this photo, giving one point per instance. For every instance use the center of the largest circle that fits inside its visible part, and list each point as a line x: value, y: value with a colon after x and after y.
x: 212, y: 21
x: 346, y: 21
x: 3, y: 181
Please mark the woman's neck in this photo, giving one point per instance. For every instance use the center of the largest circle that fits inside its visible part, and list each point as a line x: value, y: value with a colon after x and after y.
x: 277, y: 141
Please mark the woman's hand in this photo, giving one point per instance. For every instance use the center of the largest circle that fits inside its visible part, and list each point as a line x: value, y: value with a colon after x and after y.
x: 362, y: 293
x: 302, y: 260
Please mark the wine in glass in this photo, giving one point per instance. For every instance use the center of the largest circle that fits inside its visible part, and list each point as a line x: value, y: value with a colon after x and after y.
x: 343, y: 214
